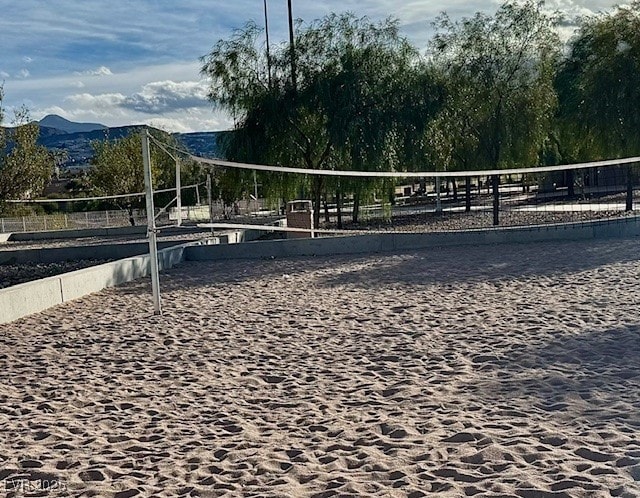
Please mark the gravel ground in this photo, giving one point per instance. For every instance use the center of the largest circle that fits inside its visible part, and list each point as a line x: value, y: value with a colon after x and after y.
x: 18, y: 274
x: 433, y: 222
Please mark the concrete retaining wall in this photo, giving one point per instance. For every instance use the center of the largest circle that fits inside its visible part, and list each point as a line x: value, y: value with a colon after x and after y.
x: 113, y: 251
x: 78, y: 233
x: 100, y: 251
x: 622, y: 227
x: 32, y: 297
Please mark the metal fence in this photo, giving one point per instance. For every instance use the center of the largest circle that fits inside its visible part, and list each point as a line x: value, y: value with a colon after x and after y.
x: 76, y: 220
x: 120, y: 218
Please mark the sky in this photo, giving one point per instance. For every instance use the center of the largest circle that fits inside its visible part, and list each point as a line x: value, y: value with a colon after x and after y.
x: 132, y: 62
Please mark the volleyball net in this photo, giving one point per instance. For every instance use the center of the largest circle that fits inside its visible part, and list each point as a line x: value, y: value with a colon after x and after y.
x: 342, y: 201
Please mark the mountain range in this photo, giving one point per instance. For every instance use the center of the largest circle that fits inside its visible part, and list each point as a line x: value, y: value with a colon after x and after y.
x: 58, y: 133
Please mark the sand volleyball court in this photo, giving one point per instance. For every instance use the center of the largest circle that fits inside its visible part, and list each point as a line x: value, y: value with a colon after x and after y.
x: 505, y: 371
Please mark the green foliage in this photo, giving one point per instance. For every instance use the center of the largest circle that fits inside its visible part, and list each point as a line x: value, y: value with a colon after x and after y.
x: 27, y: 168
x: 118, y: 168
x: 599, y: 87
x: 493, y: 91
x: 361, y: 99
x: 499, y: 75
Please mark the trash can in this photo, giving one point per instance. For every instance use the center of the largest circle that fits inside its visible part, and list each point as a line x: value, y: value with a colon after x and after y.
x: 300, y: 215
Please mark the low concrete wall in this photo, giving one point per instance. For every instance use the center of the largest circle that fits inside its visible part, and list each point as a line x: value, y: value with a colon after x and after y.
x: 95, y: 232
x: 382, y: 242
x: 32, y: 297
x: 113, y: 251
x: 99, y: 251
x: 79, y: 233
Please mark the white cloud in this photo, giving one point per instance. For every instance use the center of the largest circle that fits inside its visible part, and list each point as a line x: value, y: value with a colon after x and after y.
x: 24, y: 73
x: 162, y: 96
x: 4, y: 75
x: 103, y: 101
x: 27, y: 60
x: 101, y: 71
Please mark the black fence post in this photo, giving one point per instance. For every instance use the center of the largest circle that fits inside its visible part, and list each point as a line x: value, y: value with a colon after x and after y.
x: 629, y: 199
x: 496, y: 199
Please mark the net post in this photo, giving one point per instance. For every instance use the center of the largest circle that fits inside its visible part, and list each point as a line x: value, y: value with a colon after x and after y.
x: 151, y: 223
x: 210, y: 199
x: 178, y: 193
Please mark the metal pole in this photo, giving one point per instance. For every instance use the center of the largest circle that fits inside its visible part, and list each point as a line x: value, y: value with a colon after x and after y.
x: 151, y: 223
x: 209, y: 198
x: 292, y: 49
x: 255, y: 190
x: 266, y: 30
x: 438, y: 200
x: 495, y: 180
x: 178, y: 192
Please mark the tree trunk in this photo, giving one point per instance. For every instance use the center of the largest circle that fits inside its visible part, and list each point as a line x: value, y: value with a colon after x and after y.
x: 571, y: 180
x: 454, y: 184
x: 467, y: 195
x: 327, y: 218
x: 132, y: 220
x: 317, y: 199
x: 356, y: 206
x: 339, y: 208
x: 496, y: 199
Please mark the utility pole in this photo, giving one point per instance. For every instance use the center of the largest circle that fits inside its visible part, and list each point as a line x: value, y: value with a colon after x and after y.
x: 292, y: 49
x: 266, y: 30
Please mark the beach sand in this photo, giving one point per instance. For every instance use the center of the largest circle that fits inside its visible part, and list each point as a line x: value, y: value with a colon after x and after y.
x: 504, y: 371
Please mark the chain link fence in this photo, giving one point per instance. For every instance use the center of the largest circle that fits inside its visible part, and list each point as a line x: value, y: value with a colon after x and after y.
x: 120, y: 218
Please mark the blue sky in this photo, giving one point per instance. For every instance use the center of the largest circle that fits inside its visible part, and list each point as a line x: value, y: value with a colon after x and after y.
x: 129, y: 62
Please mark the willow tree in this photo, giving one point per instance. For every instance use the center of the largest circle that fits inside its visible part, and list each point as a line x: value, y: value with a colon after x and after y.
x: 26, y: 168
x: 340, y: 115
x: 499, y: 71
x: 599, y: 88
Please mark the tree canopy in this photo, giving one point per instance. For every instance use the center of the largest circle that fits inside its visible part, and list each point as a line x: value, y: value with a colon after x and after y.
x: 359, y: 90
x: 25, y: 166
x: 599, y: 87
x: 118, y: 169
x: 499, y: 72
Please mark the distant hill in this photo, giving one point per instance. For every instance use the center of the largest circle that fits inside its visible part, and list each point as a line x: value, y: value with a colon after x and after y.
x: 201, y: 143
x: 77, y: 144
x: 59, y: 123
